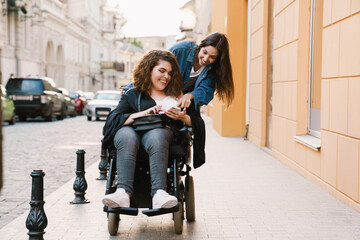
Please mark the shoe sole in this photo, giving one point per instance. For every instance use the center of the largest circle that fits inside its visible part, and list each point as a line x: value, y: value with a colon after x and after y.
x: 170, y: 204
x: 110, y: 203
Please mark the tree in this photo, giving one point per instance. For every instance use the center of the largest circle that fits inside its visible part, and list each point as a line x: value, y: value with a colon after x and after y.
x: 135, y: 42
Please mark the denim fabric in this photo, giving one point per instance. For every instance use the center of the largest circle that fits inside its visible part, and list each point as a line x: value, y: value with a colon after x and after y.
x: 205, y: 86
x: 156, y: 143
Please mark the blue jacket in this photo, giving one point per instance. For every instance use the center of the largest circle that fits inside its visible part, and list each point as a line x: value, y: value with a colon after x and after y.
x: 205, y: 86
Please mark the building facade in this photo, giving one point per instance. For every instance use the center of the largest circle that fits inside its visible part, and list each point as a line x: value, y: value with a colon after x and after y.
x: 74, y: 42
x: 296, y: 68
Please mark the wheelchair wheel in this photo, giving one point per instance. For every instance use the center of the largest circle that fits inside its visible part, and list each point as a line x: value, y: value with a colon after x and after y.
x: 113, y: 223
x: 178, y: 219
x: 189, y: 199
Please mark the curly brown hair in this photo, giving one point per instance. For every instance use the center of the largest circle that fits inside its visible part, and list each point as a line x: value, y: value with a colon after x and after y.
x: 142, y: 73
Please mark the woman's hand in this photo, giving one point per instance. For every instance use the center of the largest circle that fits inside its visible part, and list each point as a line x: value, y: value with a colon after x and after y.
x: 179, y: 115
x: 153, y: 110
x: 185, y: 100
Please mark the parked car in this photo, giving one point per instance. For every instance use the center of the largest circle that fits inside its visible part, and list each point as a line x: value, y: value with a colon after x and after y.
x: 89, y: 95
x: 8, y: 107
x: 80, y: 101
x: 35, y: 97
x: 70, y: 103
x: 102, y: 104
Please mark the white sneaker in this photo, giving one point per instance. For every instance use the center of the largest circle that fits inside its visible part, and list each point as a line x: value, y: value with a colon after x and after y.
x: 162, y: 199
x: 119, y: 198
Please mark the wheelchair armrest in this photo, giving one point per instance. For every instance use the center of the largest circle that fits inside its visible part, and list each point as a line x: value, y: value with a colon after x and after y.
x: 186, y: 129
x: 185, y: 133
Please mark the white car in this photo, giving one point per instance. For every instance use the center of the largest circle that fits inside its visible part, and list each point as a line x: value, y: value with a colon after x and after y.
x: 102, y: 104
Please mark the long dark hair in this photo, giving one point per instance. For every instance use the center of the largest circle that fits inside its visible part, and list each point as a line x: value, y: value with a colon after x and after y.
x: 142, y: 72
x: 221, y: 68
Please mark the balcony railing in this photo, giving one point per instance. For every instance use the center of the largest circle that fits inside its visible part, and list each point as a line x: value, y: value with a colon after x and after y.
x: 119, y: 67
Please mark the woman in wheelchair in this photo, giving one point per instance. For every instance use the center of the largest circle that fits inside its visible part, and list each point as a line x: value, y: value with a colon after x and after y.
x: 158, y: 81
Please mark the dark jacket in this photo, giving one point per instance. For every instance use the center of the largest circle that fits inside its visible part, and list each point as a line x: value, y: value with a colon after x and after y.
x: 129, y: 105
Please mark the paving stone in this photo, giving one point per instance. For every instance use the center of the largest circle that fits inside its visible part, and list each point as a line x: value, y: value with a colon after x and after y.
x: 241, y: 193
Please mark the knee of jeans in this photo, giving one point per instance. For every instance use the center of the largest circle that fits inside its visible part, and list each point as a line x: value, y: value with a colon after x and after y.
x: 126, y: 137
x: 158, y: 141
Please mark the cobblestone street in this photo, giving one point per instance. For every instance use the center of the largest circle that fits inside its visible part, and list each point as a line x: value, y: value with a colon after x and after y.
x: 50, y: 146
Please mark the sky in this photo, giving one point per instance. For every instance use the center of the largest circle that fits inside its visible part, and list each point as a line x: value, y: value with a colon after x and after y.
x: 151, y: 17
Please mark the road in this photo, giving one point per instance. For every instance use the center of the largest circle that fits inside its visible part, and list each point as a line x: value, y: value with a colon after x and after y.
x: 49, y: 146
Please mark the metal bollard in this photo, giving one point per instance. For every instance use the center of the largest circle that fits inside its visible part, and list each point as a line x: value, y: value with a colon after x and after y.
x: 36, y: 221
x: 103, y: 164
x: 80, y: 184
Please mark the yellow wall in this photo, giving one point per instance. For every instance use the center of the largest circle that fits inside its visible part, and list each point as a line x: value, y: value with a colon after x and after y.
x: 336, y: 166
x: 257, y: 74
x: 230, y: 17
x: 340, y: 99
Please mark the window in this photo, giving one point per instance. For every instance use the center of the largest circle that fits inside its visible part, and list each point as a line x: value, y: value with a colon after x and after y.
x: 315, y: 67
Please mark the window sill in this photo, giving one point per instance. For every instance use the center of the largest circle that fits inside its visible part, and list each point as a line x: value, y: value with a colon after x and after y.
x: 309, y: 141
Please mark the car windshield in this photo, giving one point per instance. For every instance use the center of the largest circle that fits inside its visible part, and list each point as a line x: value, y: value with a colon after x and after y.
x: 29, y: 86
x: 74, y: 95
x: 88, y: 95
x: 108, y: 96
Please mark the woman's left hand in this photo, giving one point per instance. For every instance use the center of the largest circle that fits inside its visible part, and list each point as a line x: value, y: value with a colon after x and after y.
x: 176, y: 115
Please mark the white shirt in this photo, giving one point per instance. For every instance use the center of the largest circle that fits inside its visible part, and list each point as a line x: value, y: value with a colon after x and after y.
x: 196, y: 73
x: 167, y: 103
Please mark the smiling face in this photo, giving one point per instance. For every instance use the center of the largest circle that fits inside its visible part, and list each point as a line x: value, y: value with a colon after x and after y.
x: 207, y: 55
x: 161, y: 75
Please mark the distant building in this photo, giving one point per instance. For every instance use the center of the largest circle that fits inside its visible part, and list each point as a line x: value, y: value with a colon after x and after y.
x: 78, y: 38
x: 156, y: 42
x: 127, y: 58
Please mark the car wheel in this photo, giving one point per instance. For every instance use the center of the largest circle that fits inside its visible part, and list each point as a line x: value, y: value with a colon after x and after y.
x: 62, y: 113
x: 12, y: 120
x: 89, y: 118
x: 22, y: 118
x: 50, y: 117
x: 97, y: 118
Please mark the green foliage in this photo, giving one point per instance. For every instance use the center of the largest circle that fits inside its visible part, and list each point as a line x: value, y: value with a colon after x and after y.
x: 135, y: 42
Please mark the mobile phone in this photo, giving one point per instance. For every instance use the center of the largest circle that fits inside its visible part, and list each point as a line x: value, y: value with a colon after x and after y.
x: 176, y: 109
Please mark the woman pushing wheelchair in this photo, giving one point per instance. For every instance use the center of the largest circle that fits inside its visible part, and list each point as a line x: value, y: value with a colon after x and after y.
x: 157, y: 88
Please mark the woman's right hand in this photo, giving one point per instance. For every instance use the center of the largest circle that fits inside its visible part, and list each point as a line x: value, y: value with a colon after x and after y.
x: 153, y: 110
x: 185, y: 100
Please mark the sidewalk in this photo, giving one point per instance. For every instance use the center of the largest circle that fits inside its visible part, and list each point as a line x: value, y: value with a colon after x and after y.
x: 241, y: 193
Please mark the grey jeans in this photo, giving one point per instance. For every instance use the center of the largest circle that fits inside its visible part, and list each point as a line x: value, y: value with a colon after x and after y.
x: 156, y: 143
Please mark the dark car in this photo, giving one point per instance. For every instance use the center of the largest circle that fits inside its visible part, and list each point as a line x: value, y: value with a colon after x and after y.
x: 80, y: 101
x: 70, y: 103
x: 35, y: 97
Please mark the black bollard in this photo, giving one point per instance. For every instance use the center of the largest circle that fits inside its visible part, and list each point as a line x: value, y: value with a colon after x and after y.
x: 103, y: 164
x: 36, y: 221
x: 80, y: 184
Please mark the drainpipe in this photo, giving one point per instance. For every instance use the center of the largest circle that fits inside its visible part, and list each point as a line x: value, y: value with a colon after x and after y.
x: 16, y: 42
x: 248, y: 70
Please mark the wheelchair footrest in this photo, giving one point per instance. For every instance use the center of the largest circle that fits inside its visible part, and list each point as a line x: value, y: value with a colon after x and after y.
x: 159, y: 211
x: 123, y: 210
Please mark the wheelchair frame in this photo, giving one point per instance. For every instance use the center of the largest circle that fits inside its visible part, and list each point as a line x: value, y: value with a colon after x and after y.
x: 178, y: 167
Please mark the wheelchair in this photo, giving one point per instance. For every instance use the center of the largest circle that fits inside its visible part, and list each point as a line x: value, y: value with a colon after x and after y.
x: 178, y: 167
